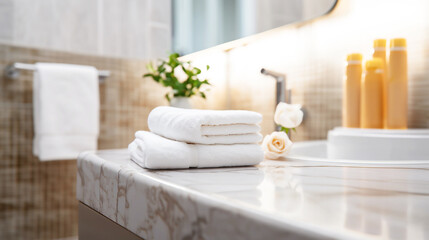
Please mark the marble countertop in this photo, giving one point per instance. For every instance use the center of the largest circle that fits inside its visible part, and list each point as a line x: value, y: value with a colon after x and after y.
x: 274, y: 200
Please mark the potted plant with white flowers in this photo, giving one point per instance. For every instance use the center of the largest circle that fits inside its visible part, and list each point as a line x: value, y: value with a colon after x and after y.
x: 278, y: 144
x: 182, y: 78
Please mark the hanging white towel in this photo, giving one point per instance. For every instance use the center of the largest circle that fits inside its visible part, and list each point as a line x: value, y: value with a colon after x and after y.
x: 206, y: 126
x: 66, y: 110
x: 155, y: 152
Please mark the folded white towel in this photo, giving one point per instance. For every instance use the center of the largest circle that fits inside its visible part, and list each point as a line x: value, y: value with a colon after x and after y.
x: 155, y: 152
x: 216, y: 130
x: 206, y: 126
x: 66, y: 110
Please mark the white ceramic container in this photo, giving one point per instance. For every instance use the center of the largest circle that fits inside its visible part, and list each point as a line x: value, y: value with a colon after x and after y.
x: 181, y: 102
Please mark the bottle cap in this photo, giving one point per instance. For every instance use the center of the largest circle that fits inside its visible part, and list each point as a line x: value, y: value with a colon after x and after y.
x: 380, y: 43
x: 354, y: 57
x: 375, y: 63
x: 398, y: 42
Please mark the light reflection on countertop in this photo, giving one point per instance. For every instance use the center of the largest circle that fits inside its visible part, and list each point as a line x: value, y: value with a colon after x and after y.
x: 306, y: 199
x: 388, y: 201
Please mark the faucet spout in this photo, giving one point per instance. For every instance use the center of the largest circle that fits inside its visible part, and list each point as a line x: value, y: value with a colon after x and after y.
x: 282, y: 95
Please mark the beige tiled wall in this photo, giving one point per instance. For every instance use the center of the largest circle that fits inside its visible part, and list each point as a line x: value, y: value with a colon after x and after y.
x: 37, y: 199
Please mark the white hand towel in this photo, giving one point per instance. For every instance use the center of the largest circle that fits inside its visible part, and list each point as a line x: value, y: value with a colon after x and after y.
x: 66, y: 110
x: 206, y: 126
x: 155, y: 152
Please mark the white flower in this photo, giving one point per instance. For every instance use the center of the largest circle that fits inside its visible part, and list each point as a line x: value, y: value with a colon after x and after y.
x: 288, y: 115
x: 180, y: 74
x: 276, y: 145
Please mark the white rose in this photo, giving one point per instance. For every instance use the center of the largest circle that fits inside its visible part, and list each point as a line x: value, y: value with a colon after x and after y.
x: 288, y: 115
x: 276, y: 145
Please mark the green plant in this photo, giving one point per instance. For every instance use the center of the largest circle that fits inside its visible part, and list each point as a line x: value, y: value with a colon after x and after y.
x: 165, y: 74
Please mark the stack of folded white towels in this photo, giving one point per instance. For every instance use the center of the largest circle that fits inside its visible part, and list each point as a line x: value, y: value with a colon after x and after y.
x: 188, y: 138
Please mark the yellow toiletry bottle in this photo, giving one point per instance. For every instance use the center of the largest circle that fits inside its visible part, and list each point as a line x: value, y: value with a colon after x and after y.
x: 397, y: 85
x: 351, y: 91
x: 380, y: 52
x: 372, y: 95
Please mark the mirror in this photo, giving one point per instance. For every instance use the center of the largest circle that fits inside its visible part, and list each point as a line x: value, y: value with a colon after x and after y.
x: 200, y: 24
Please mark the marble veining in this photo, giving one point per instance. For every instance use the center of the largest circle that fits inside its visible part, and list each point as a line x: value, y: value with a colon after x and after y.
x: 276, y: 199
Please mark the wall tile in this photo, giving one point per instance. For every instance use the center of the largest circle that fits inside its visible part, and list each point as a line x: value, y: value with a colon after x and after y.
x: 109, y: 27
x: 135, y: 37
x: 74, y: 26
x: 33, y: 24
x: 161, y: 11
x: 159, y: 42
x: 124, y: 28
x: 6, y: 20
x: 112, y: 24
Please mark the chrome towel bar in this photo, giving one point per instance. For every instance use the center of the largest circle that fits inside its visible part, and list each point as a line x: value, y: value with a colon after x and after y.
x: 12, y: 70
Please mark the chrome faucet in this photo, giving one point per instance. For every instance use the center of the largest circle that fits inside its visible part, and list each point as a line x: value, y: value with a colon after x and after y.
x: 282, y: 94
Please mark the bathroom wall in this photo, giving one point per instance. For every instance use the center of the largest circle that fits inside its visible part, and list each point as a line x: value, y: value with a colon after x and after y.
x: 121, y: 28
x: 37, y: 200
x: 312, y: 55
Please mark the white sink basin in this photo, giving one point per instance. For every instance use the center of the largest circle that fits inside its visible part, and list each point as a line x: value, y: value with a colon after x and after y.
x: 367, y: 146
x: 378, y: 144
